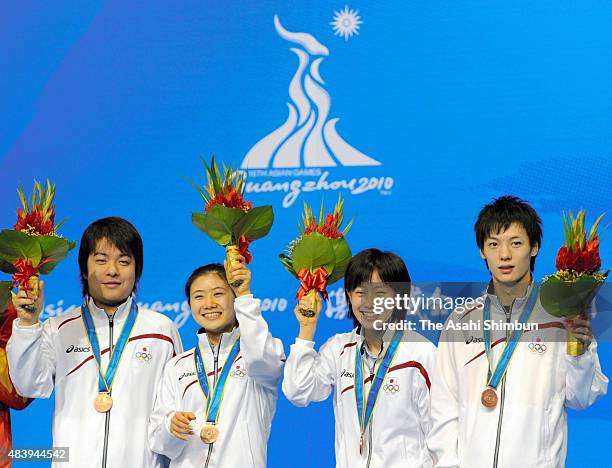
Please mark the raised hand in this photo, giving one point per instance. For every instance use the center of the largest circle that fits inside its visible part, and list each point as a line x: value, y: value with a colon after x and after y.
x: 308, y: 324
x: 238, y: 275
x: 29, y: 307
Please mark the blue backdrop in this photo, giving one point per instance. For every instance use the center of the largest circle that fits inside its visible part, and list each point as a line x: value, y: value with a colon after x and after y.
x: 417, y: 112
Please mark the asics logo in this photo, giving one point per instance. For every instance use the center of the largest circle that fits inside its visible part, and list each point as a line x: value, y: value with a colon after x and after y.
x: 77, y: 349
x: 474, y: 339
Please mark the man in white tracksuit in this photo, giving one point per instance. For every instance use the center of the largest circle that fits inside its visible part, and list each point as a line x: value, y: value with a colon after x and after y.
x: 395, y: 434
x: 100, y: 428
x: 237, y: 358
x: 520, y: 421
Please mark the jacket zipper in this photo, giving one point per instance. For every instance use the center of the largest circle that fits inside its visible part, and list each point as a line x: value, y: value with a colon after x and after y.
x: 107, y: 414
x: 503, y: 394
x: 370, y: 425
x: 216, y: 368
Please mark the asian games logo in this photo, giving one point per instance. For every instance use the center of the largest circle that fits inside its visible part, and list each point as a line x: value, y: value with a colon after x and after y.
x: 304, y: 148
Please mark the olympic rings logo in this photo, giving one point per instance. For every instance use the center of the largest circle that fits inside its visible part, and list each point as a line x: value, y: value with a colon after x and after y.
x: 539, y: 348
x: 238, y: 373
x: 143, y: 356
x: 391, y: 388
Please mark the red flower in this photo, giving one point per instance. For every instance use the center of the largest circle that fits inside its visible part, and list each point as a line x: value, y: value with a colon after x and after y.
x: 231, y: 199
x: 34, y: 223
x: 312, y: 227
x: 586, y: 260
x: 329, y: 229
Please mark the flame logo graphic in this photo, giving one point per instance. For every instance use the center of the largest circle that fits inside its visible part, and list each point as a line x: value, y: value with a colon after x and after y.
x: 308, y: 138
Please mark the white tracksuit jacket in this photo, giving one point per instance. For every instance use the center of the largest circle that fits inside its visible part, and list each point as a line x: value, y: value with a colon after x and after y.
x: 396, y: 434
x: 528, y: 427
x: 57, y: 355
x: 248, y: 404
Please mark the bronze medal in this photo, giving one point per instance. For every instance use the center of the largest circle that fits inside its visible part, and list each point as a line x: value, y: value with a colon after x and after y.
x: 209, y: 434
x: 489, y: 398
x: 103, y: 402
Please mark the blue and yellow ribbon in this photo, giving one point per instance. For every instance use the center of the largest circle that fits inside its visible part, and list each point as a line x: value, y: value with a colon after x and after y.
x: 105, y: 381
x: 213, y: 403
x: 365, y: 412
x: 493, y: 379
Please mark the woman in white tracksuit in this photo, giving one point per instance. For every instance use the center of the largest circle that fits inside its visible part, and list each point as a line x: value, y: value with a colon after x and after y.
x: 216, y: 402
x: 395, y: 366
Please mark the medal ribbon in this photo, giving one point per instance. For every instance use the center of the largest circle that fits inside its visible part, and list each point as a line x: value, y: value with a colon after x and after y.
x: 213, y: 404
x: 364, y: 413
x: 495, y: 378
x: 105, y: 382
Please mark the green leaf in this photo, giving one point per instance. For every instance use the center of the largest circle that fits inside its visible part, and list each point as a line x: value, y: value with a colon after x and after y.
x: 593, y: 232
x: 15, y: 245
x: 343, y: 255
x: 287, y: 263
x: 7, y: 267
x: 348, y: 226
x: 22, y: 198
x: 200, y: 191
x: 567, y: 231
x: 256, y: 223
x: 218, y: 223
x: 213, y: 175
x: 5, y: 294
x: 36, y: 186
x: 580, y: 228
x: 313, y: 251
x: 568, y: 298
x: 321, y: 215
x: 54, y: 249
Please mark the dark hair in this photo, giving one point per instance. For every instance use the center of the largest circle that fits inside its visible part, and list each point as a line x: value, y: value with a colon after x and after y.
x: 201, y: 271
x: 391, y: 269
x: 498, y: 215
x: 119, y: 232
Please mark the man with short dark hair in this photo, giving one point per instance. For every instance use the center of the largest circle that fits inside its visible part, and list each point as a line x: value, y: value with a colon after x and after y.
x: 104, y: 360
x: 499, y: 395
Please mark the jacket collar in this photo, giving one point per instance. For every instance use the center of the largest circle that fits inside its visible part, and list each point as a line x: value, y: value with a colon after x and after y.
x: 120, y: 314
x: 363, y: 347
x: 225, y: 343
x: 517, y: 303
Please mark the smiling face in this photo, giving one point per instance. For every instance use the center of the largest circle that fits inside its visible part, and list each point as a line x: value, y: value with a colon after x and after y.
x: 362, y: 301
x: 212, y: 303
x: 508, y: 255
x: 111, y: 274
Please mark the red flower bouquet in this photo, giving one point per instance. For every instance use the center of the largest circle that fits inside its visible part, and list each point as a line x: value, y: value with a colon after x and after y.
x: 33, y: 246
x: 569, y: 291
x: 228, y: 219
x: 319, y: 256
